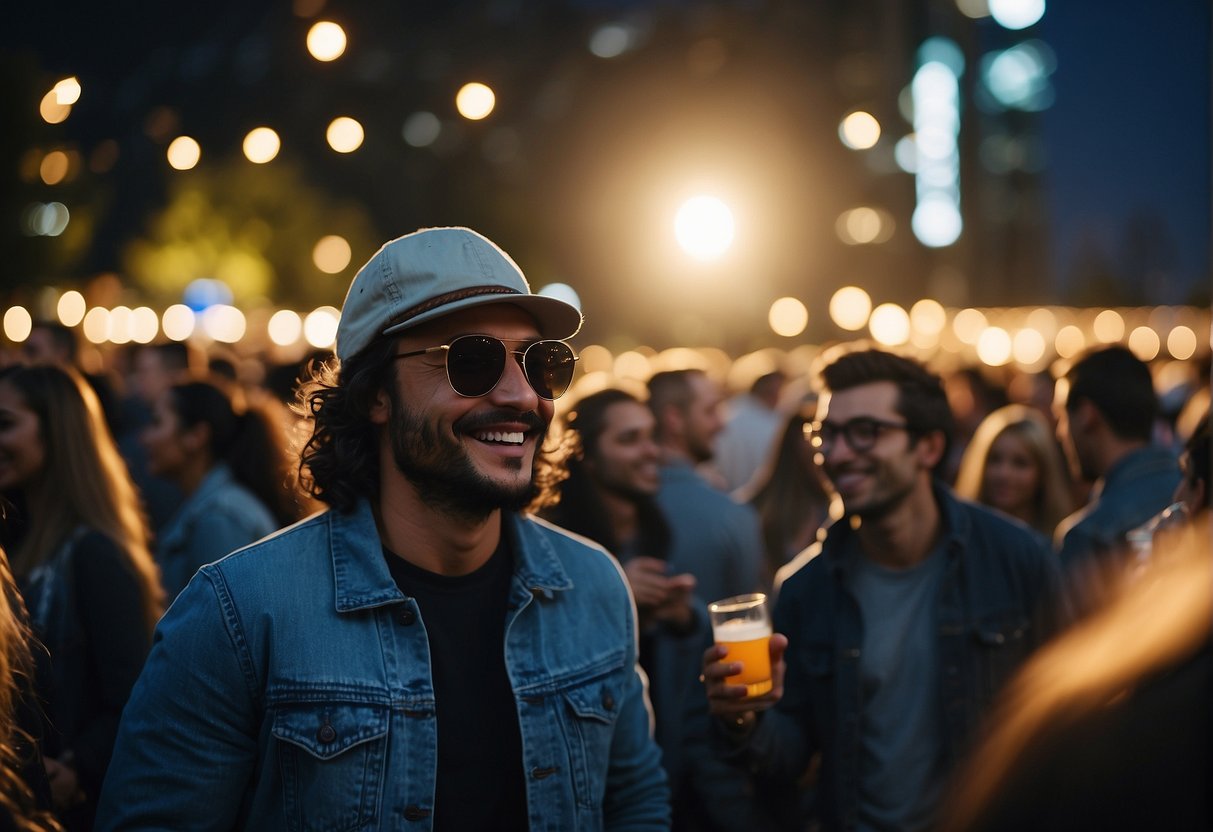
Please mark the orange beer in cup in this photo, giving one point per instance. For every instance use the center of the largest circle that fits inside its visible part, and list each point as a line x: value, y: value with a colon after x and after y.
x: 742, y: 625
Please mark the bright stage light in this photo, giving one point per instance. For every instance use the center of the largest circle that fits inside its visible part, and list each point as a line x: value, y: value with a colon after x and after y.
x: 704, y: 227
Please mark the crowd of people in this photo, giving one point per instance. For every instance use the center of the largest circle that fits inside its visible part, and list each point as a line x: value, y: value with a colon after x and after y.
x: 423, y: 588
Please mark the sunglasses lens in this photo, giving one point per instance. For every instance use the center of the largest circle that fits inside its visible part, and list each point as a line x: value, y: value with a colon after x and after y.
x: 474, y: 364
x: 549, y: 368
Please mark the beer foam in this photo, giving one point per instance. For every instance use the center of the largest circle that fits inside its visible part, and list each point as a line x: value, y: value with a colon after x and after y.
x: 739, y: 629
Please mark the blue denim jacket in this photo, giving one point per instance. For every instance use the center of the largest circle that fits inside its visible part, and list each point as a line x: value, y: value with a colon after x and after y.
x: 992, y: 610
x: 289, y: 688
x: 218, y: 518
x: 1136, y: 488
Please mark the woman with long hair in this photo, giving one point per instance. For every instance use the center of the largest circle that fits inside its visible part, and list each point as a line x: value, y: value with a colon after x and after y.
x: 1013, y: 464
x: 229, y: 459
x: 789, y: 494
x: 81, y: 559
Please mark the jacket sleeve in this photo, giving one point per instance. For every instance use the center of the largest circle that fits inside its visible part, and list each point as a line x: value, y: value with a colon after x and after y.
x: 637, y: 793
x: 187, y: 742
x: 112, y: 613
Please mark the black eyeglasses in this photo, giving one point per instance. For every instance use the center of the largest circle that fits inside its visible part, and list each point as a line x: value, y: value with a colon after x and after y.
x: 476, y: 363
x: 861, y: 433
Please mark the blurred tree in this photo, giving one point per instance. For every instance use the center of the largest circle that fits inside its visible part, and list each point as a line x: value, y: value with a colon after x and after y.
x: 254, y: 228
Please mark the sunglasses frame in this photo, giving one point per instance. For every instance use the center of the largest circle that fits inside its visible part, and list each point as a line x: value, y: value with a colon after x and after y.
x: 519, y: 354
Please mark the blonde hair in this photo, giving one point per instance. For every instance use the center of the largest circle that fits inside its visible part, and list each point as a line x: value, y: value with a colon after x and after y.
x: 16, y: 673
x: 1053, y: 500
x: 84, y: 480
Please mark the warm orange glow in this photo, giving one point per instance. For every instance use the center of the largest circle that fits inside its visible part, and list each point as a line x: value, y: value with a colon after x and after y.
x: 475, y: 101
x: 326, y: 41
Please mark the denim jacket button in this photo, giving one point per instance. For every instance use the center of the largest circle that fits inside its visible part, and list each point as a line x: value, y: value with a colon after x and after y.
x: 608, y: 701
x: 327, y: 733
x: 407, y: 617
x: 416, y: 813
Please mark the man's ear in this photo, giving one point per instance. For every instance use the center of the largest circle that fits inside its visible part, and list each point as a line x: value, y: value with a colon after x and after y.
x: 930, y: 448
x: 381, y: 408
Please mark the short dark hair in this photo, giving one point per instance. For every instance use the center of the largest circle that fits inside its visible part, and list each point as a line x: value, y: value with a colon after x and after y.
x: 1119, y: 385
x: 671, y: 388
x: 921, y: 399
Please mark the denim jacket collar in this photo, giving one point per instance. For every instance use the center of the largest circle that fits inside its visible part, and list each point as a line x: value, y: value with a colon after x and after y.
x: 362, y: 579
x: 954, y: 530
x: 1132, y: 466
x: 219, y: 478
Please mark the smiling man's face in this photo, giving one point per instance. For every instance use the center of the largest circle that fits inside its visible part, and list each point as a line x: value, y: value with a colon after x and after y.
x: 471, y: 455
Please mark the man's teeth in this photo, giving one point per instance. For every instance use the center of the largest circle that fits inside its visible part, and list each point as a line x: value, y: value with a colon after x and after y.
x: 508, y: 438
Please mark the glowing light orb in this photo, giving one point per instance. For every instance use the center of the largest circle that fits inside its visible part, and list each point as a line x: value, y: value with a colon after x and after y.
x: 704, y: 227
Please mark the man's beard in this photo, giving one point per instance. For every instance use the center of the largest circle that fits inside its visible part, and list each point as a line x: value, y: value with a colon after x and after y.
x: 443, y: 472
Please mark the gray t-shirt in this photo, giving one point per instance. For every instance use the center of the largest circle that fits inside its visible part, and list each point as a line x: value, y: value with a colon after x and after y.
x: 900, y: 777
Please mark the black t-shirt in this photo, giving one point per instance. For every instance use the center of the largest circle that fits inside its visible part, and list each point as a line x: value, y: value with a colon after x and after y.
x: 480, y: 782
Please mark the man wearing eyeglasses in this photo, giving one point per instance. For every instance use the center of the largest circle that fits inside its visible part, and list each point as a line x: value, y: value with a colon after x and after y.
x: 423, y: 655
x: 894, y: 632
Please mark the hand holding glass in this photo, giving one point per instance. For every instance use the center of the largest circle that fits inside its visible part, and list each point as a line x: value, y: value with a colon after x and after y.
x: 742, y: 625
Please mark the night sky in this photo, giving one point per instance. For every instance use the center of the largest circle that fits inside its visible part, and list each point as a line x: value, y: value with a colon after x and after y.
x: 1129, y: 134
x: 1127, y: 140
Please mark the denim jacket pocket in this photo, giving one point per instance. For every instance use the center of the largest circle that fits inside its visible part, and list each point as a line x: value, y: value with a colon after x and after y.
x: 591, y: 712
x: 1002, y: 643
x: 331, y: 759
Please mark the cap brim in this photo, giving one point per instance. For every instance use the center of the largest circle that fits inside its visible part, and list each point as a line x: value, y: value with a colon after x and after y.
x: 554, y: 318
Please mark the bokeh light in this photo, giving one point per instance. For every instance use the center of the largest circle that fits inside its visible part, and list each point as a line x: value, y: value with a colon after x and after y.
x: 332, y: 254
x: 632, y: 364
x: 889, y: 324
x: 120, y: 325
x: 320, y: 327
x: 284, y: 327
x: 1109, y: 326
x: 994, y: 346
x: 1181, y: 342
x: 184, y: 153
x: 928, y: 316
x: 704, y: 227
x: 1144, y: 343
x: 326, y: 41
x: 261, y: 145
x: 475, y: 101
x: 936, y: 222
x: 863, y: 225
x: 850, y: 308
x: 788, y: 317
x: 71, y: 308
x: 344, y: 134
x: 96, y: 325
x: 421, y: 129
x: 859, y: 130
x: 144, y: 325
x: 223, y: 323
x: 1017, y: 14
x: 178, y: 322
x: 67, y: 91
x: 968, y: 325
x: 1070, y: 341
x: 1028, y: 347
x: 611, y: 40
x: 18, y: 323
x: 54, y: 167
x: 52, y: 110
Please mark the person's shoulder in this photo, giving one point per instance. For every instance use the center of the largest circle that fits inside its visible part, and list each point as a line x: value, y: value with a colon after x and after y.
x: 566, y: 544
x: 311, y: 536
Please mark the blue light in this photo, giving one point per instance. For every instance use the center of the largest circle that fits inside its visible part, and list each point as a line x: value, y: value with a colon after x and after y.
x: 206, y: 292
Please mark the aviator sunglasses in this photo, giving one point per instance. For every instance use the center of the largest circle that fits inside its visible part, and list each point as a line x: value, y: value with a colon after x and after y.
x: 476, y: 363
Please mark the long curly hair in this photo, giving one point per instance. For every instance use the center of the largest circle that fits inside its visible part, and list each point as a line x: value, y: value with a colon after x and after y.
x: 339, y: 462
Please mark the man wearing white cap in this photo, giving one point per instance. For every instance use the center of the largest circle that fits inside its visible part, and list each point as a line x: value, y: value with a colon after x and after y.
x: 423, y: 655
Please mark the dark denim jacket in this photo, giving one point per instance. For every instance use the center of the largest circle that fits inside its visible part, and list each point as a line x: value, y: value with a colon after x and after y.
x: 999, y: 580
x: 289, y: 688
